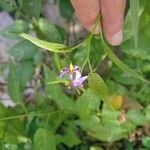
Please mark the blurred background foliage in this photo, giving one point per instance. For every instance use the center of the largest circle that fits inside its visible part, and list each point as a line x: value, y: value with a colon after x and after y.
x: 50, y: 117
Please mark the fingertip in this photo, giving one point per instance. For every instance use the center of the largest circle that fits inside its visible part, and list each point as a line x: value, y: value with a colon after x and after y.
x: 112, y: 20
x: 116, y: 38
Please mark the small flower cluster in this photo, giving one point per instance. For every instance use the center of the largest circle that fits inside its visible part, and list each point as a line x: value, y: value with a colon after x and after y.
x: 75, y: 78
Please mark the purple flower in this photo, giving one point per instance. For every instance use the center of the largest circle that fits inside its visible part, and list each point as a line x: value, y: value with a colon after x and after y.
x: 64, y: 71
x: 78, y: 81
x: 71, y: 70
x: 74, y: 73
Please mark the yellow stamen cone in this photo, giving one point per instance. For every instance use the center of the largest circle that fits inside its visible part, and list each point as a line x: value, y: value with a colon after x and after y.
x: 71, y: 67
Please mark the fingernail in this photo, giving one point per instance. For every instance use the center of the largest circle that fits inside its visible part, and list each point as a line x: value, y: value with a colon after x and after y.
x: 117, y: 38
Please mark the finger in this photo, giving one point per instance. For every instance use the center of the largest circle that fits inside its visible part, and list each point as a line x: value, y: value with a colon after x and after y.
x: 87, y: 12
x: 112, y: 20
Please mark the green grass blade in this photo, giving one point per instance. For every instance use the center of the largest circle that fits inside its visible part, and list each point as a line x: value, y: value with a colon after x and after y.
x: 134, y: 7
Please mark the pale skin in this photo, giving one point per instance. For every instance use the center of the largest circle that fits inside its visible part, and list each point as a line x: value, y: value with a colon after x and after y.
x: 112, y: 15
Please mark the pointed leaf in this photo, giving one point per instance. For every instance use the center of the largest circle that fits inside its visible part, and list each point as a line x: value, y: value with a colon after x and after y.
x: 119, y: 63
x: 87, y: 103
x: 69, y: 138
x: 16, y: 27
x: 54, y: 47
x: 14, y: 88
x: 97, y: 84
x: 46, y: 30
x: 23, y: 50
x: 32, y: 8
x: 44, y: 140
x: 136, y: 116
x: 146, y: 142
x: 66, y: 9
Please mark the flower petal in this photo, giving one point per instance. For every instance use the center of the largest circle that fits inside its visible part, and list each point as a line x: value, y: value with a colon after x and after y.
x: 63, y: 72
x: 75, y: 83
x: 81, y: 80
x: 78, y: 74
x: 75, y: 68
x: 71, y: 76
x: 78, y: 82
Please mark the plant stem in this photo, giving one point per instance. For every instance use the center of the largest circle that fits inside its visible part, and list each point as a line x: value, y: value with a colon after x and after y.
x: 87, y: 60
x: 36, y: 114
x: 24, y: 108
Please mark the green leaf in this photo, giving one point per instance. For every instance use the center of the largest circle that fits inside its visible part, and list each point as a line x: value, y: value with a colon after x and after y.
x: 123, y: 77
x: 57, y: 61
x: 142, y: 5
x: 38, y: 58
x: 116, y: 89
x: 66, y: 9
x: 147, y: 113
x: 121, y: 64
x: 136, y: 116
x: 54, y: 47
x: 44, y: 140
x: 80, y: 55
x: 23, y: 50
x: 32, y: 8
x: 107, y: 129
x: 16, y: 27
x: 110, y: 116
x: 62, y: 32
x: 59, y: 81
x: 69, y: 138
x: 87, y: 103
x: 96, y: 148
x: 146, y: 141
x: 3, y: 114
x: 146, y: 67
x: 54, y: 92
x: 12, y: 131
x: 91, y: 123
x: 98, y: 86
x: 15, y: 132
x: 46, y: 30
x: 56, y: 120
x: 134, y: 6
x: 7, y: 5
x: 14, y: 88
x: 129, y: 28
x: 141, y: 52
x: 25, y: 71
x: 109, y: 132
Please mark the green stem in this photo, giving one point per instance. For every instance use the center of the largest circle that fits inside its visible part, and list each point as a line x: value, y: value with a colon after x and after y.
x: 36, y: 114
x: 24, y: 108
x: 78, y: 45
x: 87, y: 60
x: 88, y: 54
x: 47, y: 120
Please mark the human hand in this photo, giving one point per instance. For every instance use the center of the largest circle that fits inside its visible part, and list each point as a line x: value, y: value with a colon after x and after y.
x: 111, y: 12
